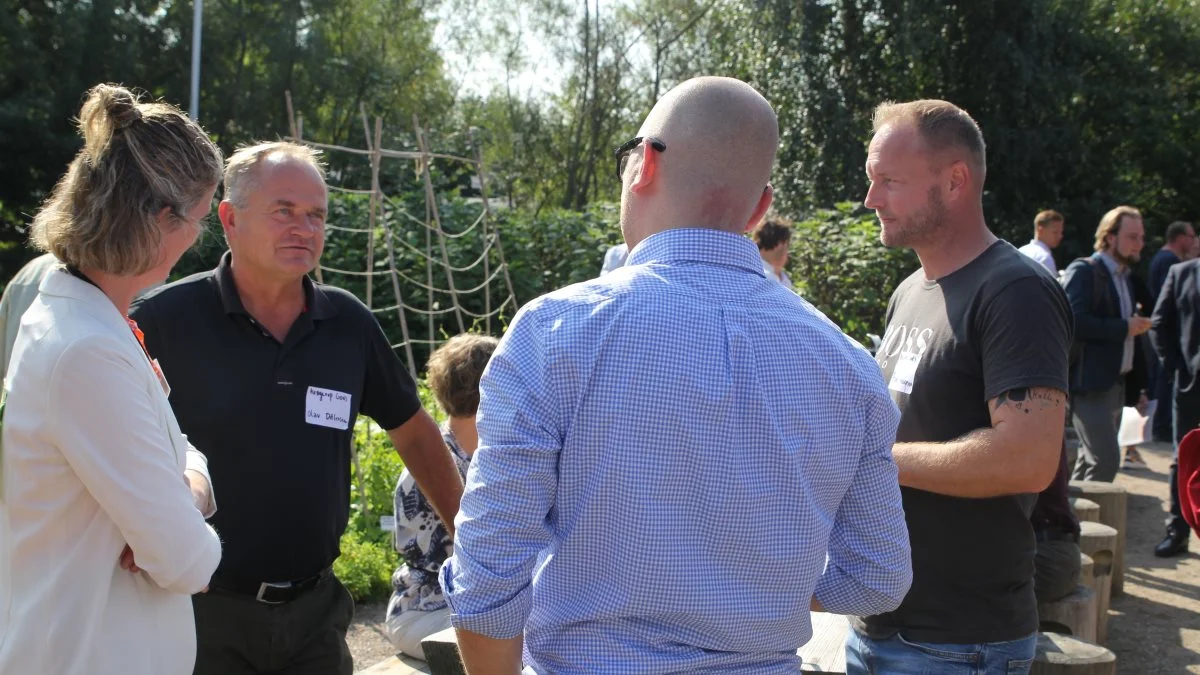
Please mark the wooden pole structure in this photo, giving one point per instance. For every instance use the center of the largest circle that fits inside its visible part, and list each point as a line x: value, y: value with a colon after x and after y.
x: 431, y: 198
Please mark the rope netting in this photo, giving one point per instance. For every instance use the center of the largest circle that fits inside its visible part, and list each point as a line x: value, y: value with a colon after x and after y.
x: 417, y: 275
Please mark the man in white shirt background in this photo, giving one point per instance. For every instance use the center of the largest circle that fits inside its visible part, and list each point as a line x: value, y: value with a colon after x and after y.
x: 1047, y: 234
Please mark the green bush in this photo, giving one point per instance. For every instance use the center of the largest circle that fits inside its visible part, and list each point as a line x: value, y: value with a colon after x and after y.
x: 368, y: 555
x: 365, y: 565
x: 839, y: 266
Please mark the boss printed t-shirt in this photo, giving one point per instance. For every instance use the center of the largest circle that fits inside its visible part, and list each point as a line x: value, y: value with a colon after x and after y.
x: 952, y: 345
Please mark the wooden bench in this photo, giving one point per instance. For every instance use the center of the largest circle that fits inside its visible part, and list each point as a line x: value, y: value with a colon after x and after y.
x: 1087, y: 573
x: 441, y: 653
x: 1085, y: 509
x: 825, y: 652
x: 1097, y: 541
x: 1112, y: 500
x: 1073, y: 615
x: 1066, y: 655
x: 396, y: 665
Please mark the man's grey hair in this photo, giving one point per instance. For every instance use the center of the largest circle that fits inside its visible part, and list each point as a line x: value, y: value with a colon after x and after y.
x: 241, y: 171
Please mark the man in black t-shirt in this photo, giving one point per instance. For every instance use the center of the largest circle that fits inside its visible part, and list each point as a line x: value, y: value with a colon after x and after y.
x: 268, y: 372
x: 975, y: 354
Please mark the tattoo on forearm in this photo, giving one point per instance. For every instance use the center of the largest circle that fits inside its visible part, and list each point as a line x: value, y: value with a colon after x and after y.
x: 1028, y: 399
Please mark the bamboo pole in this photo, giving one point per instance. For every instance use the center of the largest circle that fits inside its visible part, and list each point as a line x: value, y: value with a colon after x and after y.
x: 431, y: 199
x: 481, y: 169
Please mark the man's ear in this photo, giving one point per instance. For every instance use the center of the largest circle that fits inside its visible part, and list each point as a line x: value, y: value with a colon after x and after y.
x: 645, y: 168
x: 760, y: 209
x: 225, y: 212
x: 958, y: 177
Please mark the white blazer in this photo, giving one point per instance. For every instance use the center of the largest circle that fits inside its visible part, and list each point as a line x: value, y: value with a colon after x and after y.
x: 93, y: 459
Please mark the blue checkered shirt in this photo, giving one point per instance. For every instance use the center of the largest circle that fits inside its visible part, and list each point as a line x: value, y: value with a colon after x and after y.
x: 667, y: 454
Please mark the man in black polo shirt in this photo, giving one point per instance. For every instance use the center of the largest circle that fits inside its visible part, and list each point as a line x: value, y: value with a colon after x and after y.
x: 268, y: 372
x: 975, y: 356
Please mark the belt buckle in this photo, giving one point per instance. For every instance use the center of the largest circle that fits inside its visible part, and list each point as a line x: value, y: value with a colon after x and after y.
x: 262, y: 589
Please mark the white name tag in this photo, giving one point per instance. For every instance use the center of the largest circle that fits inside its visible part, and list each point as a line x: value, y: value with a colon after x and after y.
x: 904, y: 373
x: 327, y: 408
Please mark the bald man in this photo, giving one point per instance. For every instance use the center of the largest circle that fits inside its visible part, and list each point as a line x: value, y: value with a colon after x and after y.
x: 975, y: 355
x: 668, y: 452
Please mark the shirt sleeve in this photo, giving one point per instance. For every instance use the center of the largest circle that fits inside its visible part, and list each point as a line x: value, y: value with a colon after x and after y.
x: 109, y: 430
x: 502, y: 524
x: 1024, y: 337
x: 389, y: 394
x: 869, y: 566
x: 1164, y: 324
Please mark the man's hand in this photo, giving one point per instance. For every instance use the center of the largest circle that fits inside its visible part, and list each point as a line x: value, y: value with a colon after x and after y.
x: 1142, y: 404
x: 1138, y: 325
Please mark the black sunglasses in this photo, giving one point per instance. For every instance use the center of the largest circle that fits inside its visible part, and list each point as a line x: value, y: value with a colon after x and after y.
x: 628, y: 146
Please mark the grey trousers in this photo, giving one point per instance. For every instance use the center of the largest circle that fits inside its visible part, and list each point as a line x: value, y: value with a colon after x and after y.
x: 1097, y: 417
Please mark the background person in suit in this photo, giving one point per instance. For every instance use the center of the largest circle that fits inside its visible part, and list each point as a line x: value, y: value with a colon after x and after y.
x: 1176, y: 336
x: 1109, y: 373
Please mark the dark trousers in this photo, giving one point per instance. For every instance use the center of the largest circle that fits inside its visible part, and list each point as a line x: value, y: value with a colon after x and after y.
x: 1186, y: 414
x: 238, y: 635
x: 1056, y: 570
x: 1162, y: 425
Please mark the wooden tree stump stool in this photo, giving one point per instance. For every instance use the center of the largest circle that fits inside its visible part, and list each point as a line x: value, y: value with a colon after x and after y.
x: 1087, y: 574
x: 1097, y: 541
x: 1073, y: 615
x: 1112, y: 501
x: 441, y: 653
x: 1065, y: 655
x: 1085, y: 509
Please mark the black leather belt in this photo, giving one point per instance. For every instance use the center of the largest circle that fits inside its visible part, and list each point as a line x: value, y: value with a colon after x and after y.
x: 1055, y: 534
x: 272, y: 592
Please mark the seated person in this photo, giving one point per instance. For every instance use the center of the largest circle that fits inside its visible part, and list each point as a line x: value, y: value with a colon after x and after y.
x: 417, y: 609
x: 1056, y: 562
x: 773, y: 236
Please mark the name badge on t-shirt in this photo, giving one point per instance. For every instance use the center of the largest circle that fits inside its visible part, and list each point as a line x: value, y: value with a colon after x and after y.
x: 904, y: 372
x: 327, y: 408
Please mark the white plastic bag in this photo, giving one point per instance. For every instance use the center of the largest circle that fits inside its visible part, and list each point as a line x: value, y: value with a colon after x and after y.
x: 1134, y: 426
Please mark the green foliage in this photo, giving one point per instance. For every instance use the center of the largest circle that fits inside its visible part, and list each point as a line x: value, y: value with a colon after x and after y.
x: 365, y: 566
x: 1084, y: 104
x: 380, y: 468
x: 557, y: 247
x: 334, y: 56
x: 840, y: 267
x: 368, y: 555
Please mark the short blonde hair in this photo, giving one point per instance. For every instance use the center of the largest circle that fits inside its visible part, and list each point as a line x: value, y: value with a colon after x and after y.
x: 1111, y: 224
x: 1045, y: 218
x: 454, y: 370
x: 241, y: 172
x: 137, y: 159
x: 940, y: 124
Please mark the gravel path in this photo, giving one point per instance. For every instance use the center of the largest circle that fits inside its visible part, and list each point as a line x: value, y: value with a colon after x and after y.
x: 1153, y: 628
x: 366, y: 637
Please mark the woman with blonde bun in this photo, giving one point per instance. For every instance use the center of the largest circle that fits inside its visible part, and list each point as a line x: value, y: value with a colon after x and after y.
x: 102, y: 542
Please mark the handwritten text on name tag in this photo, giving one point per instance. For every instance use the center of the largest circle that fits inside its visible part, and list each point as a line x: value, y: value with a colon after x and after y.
x: 327, y: 408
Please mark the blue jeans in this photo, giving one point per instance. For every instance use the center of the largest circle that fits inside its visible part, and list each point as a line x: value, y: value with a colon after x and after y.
x: 865, y: 656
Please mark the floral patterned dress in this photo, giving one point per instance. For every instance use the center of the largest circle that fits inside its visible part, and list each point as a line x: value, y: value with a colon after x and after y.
x: 422, y: 542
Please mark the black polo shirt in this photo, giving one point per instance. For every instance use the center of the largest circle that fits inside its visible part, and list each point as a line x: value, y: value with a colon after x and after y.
x: 275, y: 420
